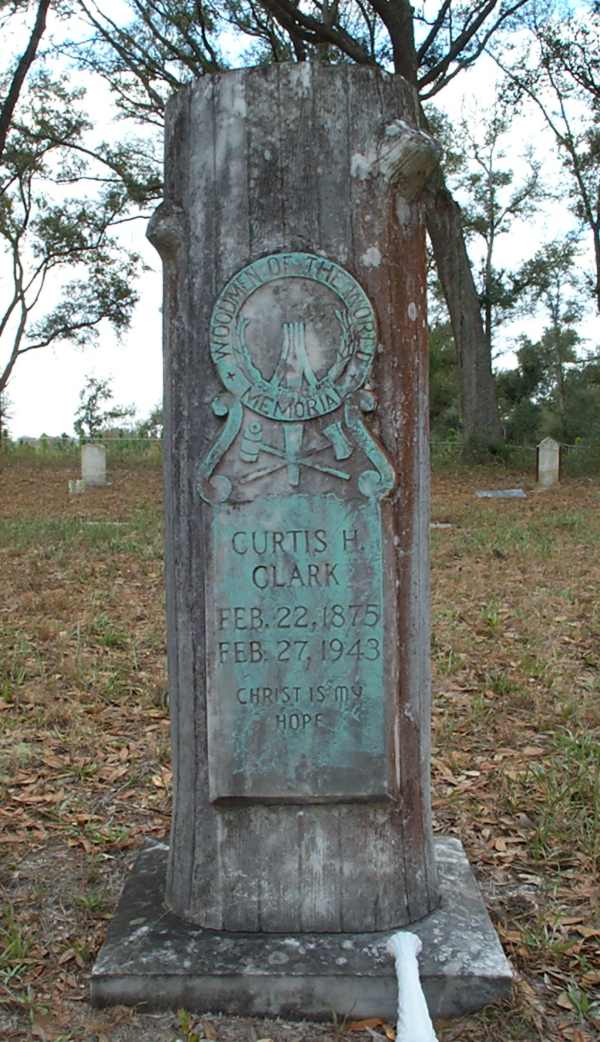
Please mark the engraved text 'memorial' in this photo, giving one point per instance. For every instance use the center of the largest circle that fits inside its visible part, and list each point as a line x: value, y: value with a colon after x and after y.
x: 293, y: 337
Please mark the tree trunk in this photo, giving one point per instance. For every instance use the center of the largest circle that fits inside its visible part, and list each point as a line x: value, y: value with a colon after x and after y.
x: 481, y: 424
x: 596, y: 234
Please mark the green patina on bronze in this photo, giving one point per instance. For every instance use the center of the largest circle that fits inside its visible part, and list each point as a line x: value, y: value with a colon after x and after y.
x: 295, y: 614
x: 295, y: 628
x: 322, y: 394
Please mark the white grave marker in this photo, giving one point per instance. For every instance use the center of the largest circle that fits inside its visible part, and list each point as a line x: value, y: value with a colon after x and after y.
x: 93, y: 465
x: 548, y: 463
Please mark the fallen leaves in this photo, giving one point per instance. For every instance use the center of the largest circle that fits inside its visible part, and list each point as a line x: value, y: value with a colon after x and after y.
x: 85, y: 772
x: 46, y: 1028
x: 370, y: 1023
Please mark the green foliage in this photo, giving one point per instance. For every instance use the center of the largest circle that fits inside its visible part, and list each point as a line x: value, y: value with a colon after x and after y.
x: 553, y: 390
x: 126, y: 450
x: 95, y: 414
x: 64, y: 271
x: 563, y: 403
x: 187, y: 1025
x: 494, y: 201
x: 141, y: 536
x: 570, y: 811
x: 444, y: 387
x: 558, y: 73
x: 63, y: 192
x: 152, y: 426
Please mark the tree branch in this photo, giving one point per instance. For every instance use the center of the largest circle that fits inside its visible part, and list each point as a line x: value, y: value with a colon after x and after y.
x: 314, y: 31
x: 137, y: 66
x: 438, y: 74
x: 433, y: 32
x: 23, y: 67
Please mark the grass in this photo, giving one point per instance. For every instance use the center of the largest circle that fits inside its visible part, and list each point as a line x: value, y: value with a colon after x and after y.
x: 517, y: 729
x: 84, y: 753
x: 15, y: 949
x: 53, y: 536
x: 568, y: 784
x: 58, y: 453
x: 580, y: 460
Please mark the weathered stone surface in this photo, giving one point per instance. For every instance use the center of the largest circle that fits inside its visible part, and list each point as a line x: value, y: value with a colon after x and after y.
x: 501, y: 493
x: 296, y: 475
x: 153, y: 958
x: 93, y: 465
x: 548, y: 463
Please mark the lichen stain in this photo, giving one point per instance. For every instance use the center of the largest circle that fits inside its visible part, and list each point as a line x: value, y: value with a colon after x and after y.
x: 303, y: 75
x: 361, y: 166
x: 371, y: 258
x: 405, y: 213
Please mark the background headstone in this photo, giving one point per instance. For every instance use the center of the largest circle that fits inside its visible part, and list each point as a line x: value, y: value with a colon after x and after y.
x: 93, y: 465
x: 548, y: 463
x: 501, y: 493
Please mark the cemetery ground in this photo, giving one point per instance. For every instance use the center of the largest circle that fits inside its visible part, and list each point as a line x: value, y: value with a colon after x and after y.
x: 84, y: 753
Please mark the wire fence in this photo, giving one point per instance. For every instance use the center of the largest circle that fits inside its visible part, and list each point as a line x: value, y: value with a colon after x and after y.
x: 579, y: 459
x: 120, y: 450
x: 576, y: 460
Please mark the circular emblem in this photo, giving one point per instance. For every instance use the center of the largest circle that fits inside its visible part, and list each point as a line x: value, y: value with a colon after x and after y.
x: 292, y: 335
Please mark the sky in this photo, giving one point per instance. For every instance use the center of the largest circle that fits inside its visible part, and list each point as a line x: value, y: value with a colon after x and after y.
x: 44, y: 391
x: 45, y: 387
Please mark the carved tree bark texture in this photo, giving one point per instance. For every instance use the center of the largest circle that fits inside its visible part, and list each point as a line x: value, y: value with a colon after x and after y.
x: 259, y: 161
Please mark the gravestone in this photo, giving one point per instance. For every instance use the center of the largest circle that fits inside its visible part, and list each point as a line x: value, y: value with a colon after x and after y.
x: 93, y: 465
x: 548, y: 463
x: 296, y: 479
x: 501, y: 493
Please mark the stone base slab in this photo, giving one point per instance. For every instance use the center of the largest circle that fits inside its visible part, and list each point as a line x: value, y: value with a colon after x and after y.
x: 153, y: 959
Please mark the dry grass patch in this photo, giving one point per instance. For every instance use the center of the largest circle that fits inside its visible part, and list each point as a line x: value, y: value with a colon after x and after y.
x: 84, y: 754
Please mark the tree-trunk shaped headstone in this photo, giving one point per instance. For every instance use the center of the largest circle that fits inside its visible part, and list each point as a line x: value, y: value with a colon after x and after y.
x: 296, y: 478
x: 292, y: 236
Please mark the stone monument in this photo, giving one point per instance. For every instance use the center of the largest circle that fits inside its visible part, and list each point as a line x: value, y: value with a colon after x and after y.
x: 93, y: 465
x: 548, y: 463
x: 296, y: 479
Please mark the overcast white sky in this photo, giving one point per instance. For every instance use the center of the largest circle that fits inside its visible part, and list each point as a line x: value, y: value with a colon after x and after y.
x: 44, y: 389
x: 45, y: 386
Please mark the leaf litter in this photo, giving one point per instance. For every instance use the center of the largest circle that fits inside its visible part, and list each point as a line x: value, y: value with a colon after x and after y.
x: 84, y: 757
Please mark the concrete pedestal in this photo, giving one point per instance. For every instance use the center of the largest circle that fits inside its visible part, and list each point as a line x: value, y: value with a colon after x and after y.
x: 154, y: 959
